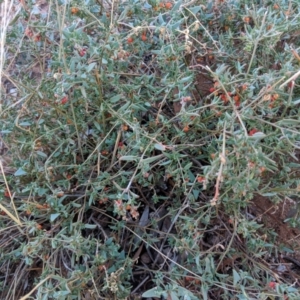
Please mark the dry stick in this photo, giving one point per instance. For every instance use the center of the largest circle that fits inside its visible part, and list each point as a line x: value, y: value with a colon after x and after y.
x: 228, y: 247
x: 39, y: 284
x: 16, y: 219
x: 61, y: 22
x: 6, y: 8
x: 155, y: 249
x: 295, y: 53
x: 98, y: 163
x: 292, y: 78
x: 98, y: 146
x: 206, y: 31
x: 77, y: 130
x: 140, y: 284
x: 161, y: 106
x: 223, y: 161
x: 112, y: 14
x: 115, y: 150
x: 257, y: 41
x: 186, y: 205
x: 262, y: 92
x: 95, y: 286
x: 126, y: 190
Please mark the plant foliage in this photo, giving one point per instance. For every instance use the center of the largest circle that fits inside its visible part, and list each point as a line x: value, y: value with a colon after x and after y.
x: 137, y: 135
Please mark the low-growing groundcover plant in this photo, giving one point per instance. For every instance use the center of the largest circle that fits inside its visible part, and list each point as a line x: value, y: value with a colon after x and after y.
x: 135, y: 136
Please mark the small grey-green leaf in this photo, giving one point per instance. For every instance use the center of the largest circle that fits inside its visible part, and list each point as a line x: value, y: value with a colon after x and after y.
x: 177, y: 5
x: 129, y: 158
x: 149, y: 160
x: 174, y: 295
x: 60, y: 294
x: 185, y: 79
x: 236, y: 277
x: 195, y: 9
x: 91, y: 67
x: 160, y: 147
x: 154, y: 293
x: 116, y: 98
x: 25, y: 123
x: 269, y: 194
x: 42, y: 154
x: 83, y: 92
x: 90, y: 226
x: 258, y: 136
x: 295, y: 102
x: 176, y: 26
x: 20, y: 172
x: 287, y: 122
x: 54, y: 216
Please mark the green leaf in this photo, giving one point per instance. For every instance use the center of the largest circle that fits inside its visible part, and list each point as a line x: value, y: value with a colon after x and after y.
x: 90, y: 67
x: 116, y: 98
x: 236, y: 277
x: 177, y: 6
x: 196, y: 193
x: 204, y: 290
x: 83, y: 92
x: 25, y: 123
x: 257, y: 136
x: 59, y: 294
x: 164, y: 163
x: 42, y: 154
x: 90, y: 226
x: 186, y: 79
x: 129, y: 158
x: 20, y: 172
x: 287, y: 122
x: 152, y: 159
x: 174, y: 296
x: 154, y: 293
x: 195, y: 9
x: 269, y: 194
x: 54, y: 216
x: 157, y: 52
x: 176, y: 26
x: 295, y: 102
x: 160, y: 147
x: 161, y: 19
x: 42, y: 192
x: 186, y: 294
x: 66, y: 33
x: 188, y: 166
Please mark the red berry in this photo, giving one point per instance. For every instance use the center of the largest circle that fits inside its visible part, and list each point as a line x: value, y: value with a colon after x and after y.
x: 272, y: 284
x: 168, y: 5
x: 82, y: 52
x: 64, y: 100
x: 252, y: 131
